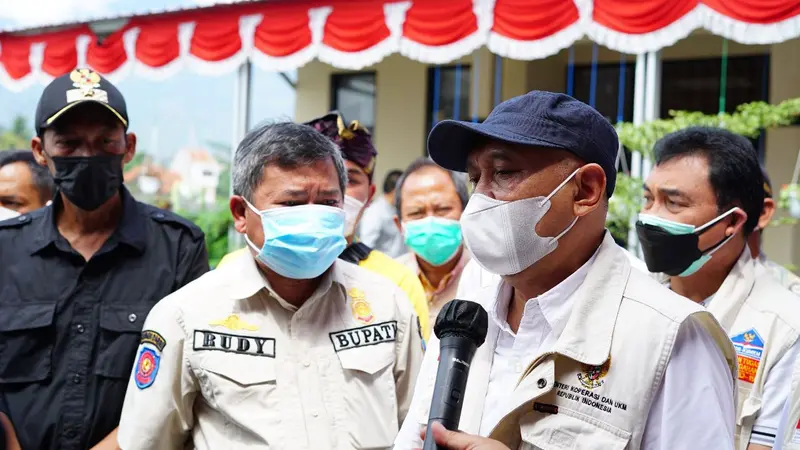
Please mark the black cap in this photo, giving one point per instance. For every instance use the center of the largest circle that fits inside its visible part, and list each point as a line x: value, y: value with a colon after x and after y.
x: 77, y: 87
x: 538, y: 118
x: 464, y: 319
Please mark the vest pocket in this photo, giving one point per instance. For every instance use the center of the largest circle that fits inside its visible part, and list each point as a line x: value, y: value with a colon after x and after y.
x: 570, y: 430
x: 27, y: 336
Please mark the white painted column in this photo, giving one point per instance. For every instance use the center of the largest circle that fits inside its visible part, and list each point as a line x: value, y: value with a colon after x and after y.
x: 652, y: 98
x: 639, y: 83
x: 241, y: 123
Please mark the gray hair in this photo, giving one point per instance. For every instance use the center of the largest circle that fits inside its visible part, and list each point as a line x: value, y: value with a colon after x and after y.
x: 287, y: 144
x: 459, y: 181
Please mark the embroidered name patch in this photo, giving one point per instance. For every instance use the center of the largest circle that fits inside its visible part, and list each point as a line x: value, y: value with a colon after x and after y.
x: 234, y: 343
x: 364, y: 336
x: 152, y: 344
x: 749, y: 347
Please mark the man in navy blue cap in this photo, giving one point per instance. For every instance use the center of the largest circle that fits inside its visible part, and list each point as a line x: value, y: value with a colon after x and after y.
x: 582, y: 350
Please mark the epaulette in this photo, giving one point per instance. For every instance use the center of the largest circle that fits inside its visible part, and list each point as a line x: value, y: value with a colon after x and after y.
x: 169, y: 218
x: 16, y: 222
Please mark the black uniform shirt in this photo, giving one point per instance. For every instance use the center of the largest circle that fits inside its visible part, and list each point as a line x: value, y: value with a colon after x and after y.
x: 69, y: 329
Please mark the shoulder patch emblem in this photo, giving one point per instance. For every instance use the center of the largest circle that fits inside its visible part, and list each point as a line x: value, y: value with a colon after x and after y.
x: 154, y: 338
x: 592, y: 376
x: 147, y: 362
x: 233, y: 322
x: 362, y: 311
x: 749, y: 348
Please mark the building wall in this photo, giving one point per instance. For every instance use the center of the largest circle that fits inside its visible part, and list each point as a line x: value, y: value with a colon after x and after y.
x: 782, y: 243
x: 402, y: 104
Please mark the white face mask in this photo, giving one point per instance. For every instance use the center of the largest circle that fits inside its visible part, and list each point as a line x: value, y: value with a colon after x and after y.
x: 501, y: 236
x: 352, y: 208
x: 6, y: 213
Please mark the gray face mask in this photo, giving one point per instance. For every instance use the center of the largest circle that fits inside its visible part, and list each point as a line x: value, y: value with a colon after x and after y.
x: 501, y: 236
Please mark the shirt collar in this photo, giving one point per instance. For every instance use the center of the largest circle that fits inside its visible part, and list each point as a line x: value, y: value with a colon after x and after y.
x: 130, y: 231
x: 555, y: 304
x: 244, y: 279
x: 448, y: 280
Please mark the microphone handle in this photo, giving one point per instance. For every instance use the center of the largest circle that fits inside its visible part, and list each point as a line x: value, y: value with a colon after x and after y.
x: 455, y: 357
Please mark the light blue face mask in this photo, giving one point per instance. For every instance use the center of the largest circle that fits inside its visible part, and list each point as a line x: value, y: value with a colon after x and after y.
x: 300, y: 242
x: 434, y: 239
x: 678, y: 228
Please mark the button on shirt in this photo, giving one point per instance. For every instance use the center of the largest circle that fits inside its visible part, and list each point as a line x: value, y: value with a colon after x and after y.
x: 685, y: 384
x: 228, y: 363
x: 69, y: 328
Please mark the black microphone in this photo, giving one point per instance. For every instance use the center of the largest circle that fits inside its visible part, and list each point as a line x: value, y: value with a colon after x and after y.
x: 461, y: 329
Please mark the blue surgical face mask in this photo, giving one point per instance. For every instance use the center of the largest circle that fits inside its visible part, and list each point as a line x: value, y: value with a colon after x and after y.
x: 300, y: 242
x: 434, y: 239
x: 671, y: 247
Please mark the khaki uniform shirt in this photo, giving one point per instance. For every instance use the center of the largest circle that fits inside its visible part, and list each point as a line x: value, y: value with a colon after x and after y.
x: 226, y: 363
x: 446, y: 290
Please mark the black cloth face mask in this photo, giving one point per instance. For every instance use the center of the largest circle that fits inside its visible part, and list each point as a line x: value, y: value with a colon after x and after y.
x: 88, y: 181
x: 667, y: 253
x: 676, y: 254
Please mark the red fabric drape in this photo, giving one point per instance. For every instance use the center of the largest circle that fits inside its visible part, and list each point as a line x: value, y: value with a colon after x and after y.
x: 60, y: 54
x: 283, y: 31
x: 157, y: 44
x: 216, y: 39
x: 439, y: 22
x: 756, y: 11
x: 108, y: 55
x: 15, y: 56
x: 355, y: 27
x: 640, y: 16
x: 531, y: 20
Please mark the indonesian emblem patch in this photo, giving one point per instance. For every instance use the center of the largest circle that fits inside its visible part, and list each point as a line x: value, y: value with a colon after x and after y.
x: 592, y: 376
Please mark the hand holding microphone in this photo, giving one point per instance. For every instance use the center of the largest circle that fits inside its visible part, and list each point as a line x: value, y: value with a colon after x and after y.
x: 454, y: 440
x: 461, y: 329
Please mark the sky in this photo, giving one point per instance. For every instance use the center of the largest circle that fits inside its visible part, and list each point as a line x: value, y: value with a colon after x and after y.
x: 185, y: 110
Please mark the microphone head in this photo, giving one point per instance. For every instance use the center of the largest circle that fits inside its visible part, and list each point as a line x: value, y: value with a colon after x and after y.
x: 462, y: 318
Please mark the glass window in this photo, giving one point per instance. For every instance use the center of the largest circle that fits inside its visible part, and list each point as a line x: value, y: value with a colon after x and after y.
x: 449, y: 91
x: 353, y: 95
x: 607, y: 100
x: 688, y: 85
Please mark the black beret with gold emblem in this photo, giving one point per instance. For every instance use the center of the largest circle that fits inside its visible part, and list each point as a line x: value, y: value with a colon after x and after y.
x: 77, y: 87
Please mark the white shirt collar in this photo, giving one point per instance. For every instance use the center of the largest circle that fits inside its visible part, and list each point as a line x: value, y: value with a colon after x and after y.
x: 555, y: 304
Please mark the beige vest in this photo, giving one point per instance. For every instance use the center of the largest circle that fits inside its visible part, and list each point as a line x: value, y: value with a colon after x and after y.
x: 763, y: 321
x: 602, y: 374
x: 791, y: 435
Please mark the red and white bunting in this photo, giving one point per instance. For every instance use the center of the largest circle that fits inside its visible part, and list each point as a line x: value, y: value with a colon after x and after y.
x: 353, y: 34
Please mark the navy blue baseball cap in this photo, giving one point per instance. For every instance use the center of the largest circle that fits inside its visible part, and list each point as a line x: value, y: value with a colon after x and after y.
x: 538, y: 118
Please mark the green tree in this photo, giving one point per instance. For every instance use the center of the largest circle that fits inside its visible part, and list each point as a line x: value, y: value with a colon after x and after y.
x: 16, y: 136
x: 215, y: 224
